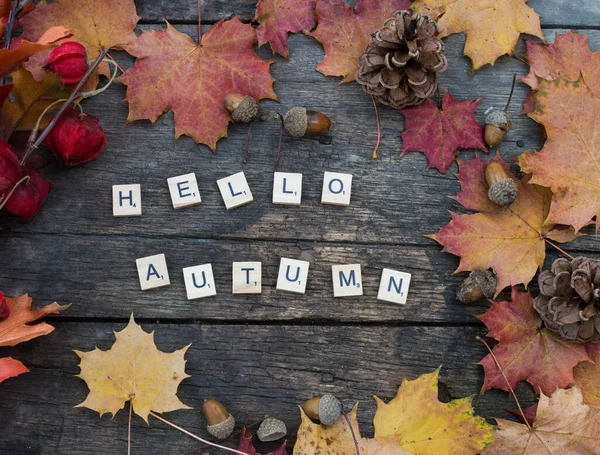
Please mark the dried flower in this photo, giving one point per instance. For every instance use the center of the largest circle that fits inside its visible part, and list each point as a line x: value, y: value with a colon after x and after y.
x: 29, y: 196
x: 76, y: 138
x: 69, y: 60
x: 10, y: 168
x: 4, y: 310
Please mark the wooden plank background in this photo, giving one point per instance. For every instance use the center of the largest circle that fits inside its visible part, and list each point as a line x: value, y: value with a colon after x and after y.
x: 258, y: 354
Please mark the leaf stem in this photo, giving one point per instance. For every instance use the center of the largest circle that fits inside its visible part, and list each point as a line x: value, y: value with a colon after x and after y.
x: 345, y: 414
x: 559, y: 248
x: 278, y: 155
x: 199, y: 22
x: 74, y: 94
x: 512, y: 391
x: 247, y: 142
x: 512, y: 90
x: 376, y: 149
x: 105, y: 86
x: 192, y: 435
x: 4, y: 200
x: 129, y: 429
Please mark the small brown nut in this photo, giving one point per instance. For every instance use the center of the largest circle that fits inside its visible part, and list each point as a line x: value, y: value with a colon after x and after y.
x: 220, y: 423
x: 478, y: 285
x: 243, y: 108
x: 326, y: 409
x: 497, y: 124
x: 503, y: 190
x: 300, y: 122
x: 271, y: 429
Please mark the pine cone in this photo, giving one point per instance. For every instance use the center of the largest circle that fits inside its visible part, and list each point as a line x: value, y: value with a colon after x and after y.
x: 569, y: 300
x: 401, y: 63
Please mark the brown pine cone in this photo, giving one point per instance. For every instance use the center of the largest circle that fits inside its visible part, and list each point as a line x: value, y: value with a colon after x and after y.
x: 401, y: 63
x: 569, y: 300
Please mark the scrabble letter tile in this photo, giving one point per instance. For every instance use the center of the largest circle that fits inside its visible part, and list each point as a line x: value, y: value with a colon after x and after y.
x: 199, y: 281
x: 287, y: 188
x: 235, y: 190
x: 292, y: 275
x: 247, y: 278
x: 336, y: 188
x: 394, y: 286
x: 153, y: 271
x: 127, y: 200
x: 347, y: 280
x: 184, y: 190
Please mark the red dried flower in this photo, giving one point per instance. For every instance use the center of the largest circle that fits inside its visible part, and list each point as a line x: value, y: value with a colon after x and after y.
x: 76, y: 138
x: 69, y: 60
x: 29, y: 196
x: 10, y: 168
x: 4, y: 310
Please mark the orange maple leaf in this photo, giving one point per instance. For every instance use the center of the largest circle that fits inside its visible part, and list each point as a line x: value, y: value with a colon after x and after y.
x: 172, y: 72
x: 526, y: 351
x: 512, y: 242
x: 278, y: 17
x: 492, y: 27
x: 344, y: 32
x: 9, y: 368
x: 569, y: 163
x: 16, y: 329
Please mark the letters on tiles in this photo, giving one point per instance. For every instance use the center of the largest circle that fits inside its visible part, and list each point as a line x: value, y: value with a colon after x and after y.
x: 184, y: 191
x: 287, y: 188
x: 247, y: 278
x: 394, y: 286
x: 199, y: 281
x: 336, y: 188
x: 235, y: 190
x: 153, y: 271
x: 127, y: 200
x: 292, y: 275
x: 347, y: 280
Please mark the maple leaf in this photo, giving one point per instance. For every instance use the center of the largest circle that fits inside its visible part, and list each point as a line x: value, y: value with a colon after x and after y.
x: 526, y: 351
x: 174, y: 73
x: 337, y: 439
x: 31, y: 98
x: 492, y: 28
x: 440, y: 133
x: 16, y: 329
x: 9, y: 368
x: 511, y: 242
x: 563, y: 426
x: 587, y: 376
x: 426, y: 426
x: 21, y: 49
x: 278, y: 17
x: 247, y: 447
x: 133, y: 369
x: 344, y: 32
x: 569, y: 163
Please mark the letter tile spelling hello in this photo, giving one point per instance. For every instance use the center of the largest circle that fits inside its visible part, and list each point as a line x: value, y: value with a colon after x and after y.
x: 153, y: 271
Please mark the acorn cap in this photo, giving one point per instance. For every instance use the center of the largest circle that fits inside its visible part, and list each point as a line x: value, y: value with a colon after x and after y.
x: 498, y: 118
x: 479, y: 284
x: 222, y: 430
x: 271, y: 429
x: 295, y: 121
x: 243, y: 108
x: 503, y: 192
x: 330, y: 409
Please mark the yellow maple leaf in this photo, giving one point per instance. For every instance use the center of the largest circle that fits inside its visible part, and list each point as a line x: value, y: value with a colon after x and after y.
x: 337, y: 439
x: 426, y: 426
x: 492, y: 27
x: 133, y: 369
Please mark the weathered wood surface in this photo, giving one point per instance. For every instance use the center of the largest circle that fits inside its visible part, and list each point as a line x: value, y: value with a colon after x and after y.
x: 259, y: 354
x: 254, y: 370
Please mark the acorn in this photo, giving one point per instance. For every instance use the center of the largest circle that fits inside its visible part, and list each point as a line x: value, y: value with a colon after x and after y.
x: 243, y: 108
x: 220, y: 423
x: 478, y: 285
x: 497, y: 124
x: 301, y: 122
x: 271, y: 429
x: 502, y: 189
x: 327, y: 409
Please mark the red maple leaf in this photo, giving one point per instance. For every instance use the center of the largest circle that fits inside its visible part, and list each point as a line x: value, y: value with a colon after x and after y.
x: 172, y: 72
x: 526, y: 351
x: 440, y: 133
x: 278, y: 17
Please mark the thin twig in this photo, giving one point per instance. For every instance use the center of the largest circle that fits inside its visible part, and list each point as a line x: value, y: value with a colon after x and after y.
x: 116, y: 63
x: 247, y: 142
x: 345, y: 414
x: 40, y: 97
x: 198, y: 438
x: 237, y: 433
x: 199, y: 21
x: 559, y: 248
x: 32, y: 146
x: 512, y: 391
x: 12, y: 18
x: 278, y: 155
x: 4, y: 200
x: 129, y: 429
x: 376, y: 149
x: 512, y: 90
